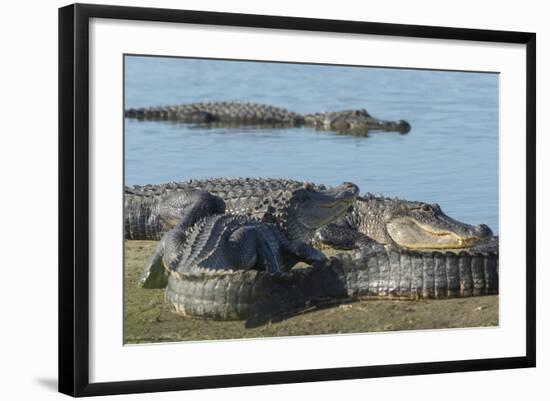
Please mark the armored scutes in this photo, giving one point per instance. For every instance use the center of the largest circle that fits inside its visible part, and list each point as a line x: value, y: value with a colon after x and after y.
x: 236, y: 114
x: 149, y: 210
x: 402, y: 223
x: 224, y: 242
x: 206, y: 241
x: 223, y: 266
x: 377, y: 272
x: 290, y: 223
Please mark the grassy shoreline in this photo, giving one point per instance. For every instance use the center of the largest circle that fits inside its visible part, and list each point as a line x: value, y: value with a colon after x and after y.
x: 147, y: 319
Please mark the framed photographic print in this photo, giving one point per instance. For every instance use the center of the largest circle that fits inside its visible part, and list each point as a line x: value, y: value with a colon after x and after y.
x: 250, y: 199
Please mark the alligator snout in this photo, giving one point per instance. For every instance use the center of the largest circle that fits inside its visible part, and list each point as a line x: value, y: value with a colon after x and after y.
x: 349, y: 189
x: 403, y: 127
x: 344, y: 193
x: 483, y: 231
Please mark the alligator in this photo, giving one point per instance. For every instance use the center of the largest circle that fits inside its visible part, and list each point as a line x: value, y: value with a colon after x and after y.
x: 399, y: 222
x: 237, y: 114
x: 229, y: 267
x: 151, y: 210
x: 207, y: 236
x: 403, y: 223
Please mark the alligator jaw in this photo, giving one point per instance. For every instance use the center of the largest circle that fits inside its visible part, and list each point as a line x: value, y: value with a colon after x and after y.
x: 343, y: 194
x: 321, y: 207
x: 401, y: 126
x: 410, y: 233
x: 361, y: 125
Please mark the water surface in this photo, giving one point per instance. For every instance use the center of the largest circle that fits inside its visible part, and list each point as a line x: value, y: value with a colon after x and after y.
x: 449, y: 157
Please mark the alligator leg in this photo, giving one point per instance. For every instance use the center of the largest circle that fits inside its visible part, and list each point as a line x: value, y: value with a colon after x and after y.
x: 250, y: 249
x: 341, y: 237
x: 256, y: 247
x: 268, y: 258
x: 297, y: 251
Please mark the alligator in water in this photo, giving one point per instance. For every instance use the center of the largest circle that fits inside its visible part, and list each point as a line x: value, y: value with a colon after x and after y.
x: 150, y: 211
x: 236, y: 114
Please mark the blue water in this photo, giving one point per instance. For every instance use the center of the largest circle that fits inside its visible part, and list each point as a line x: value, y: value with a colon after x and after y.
x: 449, y: 157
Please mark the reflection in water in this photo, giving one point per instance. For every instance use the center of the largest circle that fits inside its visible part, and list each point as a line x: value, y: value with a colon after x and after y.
x: 449, y: 157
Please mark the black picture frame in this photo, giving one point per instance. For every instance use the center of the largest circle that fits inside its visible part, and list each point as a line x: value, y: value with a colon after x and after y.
x: 74, y: 198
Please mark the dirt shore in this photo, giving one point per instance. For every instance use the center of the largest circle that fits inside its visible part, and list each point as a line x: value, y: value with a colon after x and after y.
x: 147, y: 319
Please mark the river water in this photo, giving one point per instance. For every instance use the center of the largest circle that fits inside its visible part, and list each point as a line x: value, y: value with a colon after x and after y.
x: 449, y: 157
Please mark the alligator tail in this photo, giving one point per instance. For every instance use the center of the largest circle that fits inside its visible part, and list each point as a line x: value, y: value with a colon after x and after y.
x: 404, y: 274
x: 142, y: 218
x: 252, y: 295
x: 259, y: 297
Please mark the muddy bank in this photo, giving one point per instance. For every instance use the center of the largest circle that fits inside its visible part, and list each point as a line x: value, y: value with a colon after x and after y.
x: 148, y: 319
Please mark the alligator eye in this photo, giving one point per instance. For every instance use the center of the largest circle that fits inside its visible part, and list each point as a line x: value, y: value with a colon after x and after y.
x: 425, y: 208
